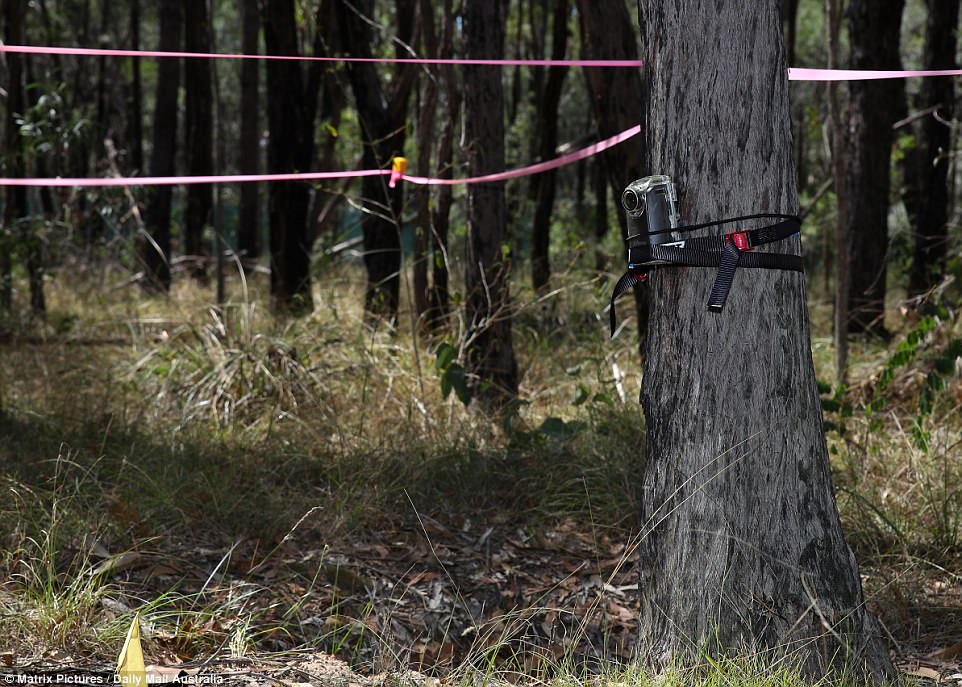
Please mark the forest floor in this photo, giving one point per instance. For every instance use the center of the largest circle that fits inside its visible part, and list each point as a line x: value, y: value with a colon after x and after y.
x: 299, y: 503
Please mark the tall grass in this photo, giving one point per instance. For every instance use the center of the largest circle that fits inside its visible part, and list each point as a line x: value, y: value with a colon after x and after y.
x: 226, y: 429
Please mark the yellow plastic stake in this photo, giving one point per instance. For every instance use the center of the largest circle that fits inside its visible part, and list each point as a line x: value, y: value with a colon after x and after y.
x: 130, y: 663
x: 399, y: 166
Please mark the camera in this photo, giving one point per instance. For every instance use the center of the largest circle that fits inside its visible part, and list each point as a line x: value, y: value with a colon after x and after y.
x: 651, y: 206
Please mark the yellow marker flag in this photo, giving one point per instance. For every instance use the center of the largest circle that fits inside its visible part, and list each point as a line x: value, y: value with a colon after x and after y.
x: 130, y: 664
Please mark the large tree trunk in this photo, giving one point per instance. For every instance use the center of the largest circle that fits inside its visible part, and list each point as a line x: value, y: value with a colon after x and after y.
x: 607, y: 33
x: 934, y: 148
x: 487, y: 304
x: 548, y: 135
x: 383, y: 124
x: 741, y: 548
x: 290, y: 115
x: 199, y: 129
x: 15, y: 201
x: 874, y: 29
x: 156, y: 247
x: 248, y: 233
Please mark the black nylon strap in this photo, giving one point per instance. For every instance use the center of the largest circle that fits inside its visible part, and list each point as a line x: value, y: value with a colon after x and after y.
x: 628, y: 281
x: 728, y: 253
x: 724, y: 278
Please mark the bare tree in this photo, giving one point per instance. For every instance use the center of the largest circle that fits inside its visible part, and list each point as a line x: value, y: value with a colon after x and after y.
x: 291, y: 110
x: 874, y: 31
x: 548, y: 136
x: 487, y: 303
x: 156, y: 246
x: 199, y: 128
x: 248, y: 236
x: 15, y: 205
x: 930, y: 215
x: 382, y: 111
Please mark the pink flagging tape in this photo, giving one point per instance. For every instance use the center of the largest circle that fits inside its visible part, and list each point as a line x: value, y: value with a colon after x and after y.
x: 804, y: 74
x: 567, y: 159
x: 111, y: 52
x: 174, y: 181
x: 309, y: 176
x: 794, y: 73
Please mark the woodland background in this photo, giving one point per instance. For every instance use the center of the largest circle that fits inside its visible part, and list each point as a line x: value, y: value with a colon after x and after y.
x: 266, y: 416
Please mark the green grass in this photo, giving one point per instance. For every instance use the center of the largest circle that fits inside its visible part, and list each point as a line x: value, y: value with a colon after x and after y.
x: 167, y: 430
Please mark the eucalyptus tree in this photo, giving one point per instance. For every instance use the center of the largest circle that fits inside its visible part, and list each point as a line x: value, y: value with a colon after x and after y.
x: 741, y: 548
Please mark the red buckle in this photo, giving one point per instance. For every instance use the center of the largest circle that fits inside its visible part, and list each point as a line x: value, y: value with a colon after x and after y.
x: 741, y: 240
x: 641, y: 276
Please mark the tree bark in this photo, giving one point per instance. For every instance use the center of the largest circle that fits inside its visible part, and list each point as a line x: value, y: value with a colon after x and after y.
x: 607, y: 33
x: 384, y: 128
x: 199, y: 129
x: 487, y: 302
x: 156, y: 247
x: 741, y: 545
x: 934, y: 149
x: 248, y: 234
x: 874, y: 30
x: 290, y: 115
x: 548, y: 135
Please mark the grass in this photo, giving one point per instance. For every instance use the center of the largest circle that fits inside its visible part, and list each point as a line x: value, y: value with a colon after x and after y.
x: 191, y: 450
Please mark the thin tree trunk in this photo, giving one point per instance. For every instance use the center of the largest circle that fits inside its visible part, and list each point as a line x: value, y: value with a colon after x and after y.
x: 741, y: 546
x: 135, y: 101
x: 32, y: 242
x: 843, y: 244
x: 487, y: 301
x: 334, y: 84
x: 15, y: 205
x: 874, y: 30
x: 548, y: 133
x: 383, y: 124
x: 248, y: 229
x: 156, y: 247
x: 290, y: 115
x: 104, y: 78
x: 199, y: 130
x: 439, y: 297
x: 425, y: 144
x: 934, y: 149
x: 607, y: 33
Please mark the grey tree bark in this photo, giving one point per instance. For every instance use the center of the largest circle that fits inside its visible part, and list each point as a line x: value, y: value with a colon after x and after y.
x: 487, y: 307
x: 742, y: 549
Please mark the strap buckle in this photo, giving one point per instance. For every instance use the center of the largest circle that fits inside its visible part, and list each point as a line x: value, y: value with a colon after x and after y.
x: 741, y: 239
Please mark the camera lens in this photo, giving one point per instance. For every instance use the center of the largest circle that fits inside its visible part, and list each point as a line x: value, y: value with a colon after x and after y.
x: 630, y: 200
